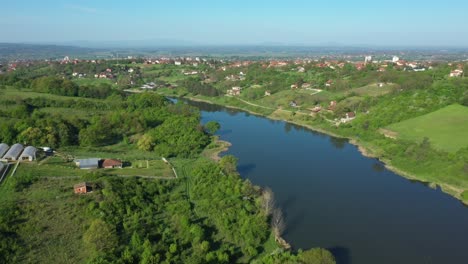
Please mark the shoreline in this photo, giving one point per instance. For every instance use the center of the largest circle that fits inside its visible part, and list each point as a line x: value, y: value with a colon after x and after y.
x: 365, y: 151
x: 223, y: 146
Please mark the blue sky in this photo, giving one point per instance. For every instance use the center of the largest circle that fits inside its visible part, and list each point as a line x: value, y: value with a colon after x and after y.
x: 396, y: 22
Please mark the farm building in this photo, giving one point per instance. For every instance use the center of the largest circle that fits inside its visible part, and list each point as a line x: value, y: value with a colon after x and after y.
x: 13, y: 153
x: 82, y: 188
x: 29, y: 153
x: 111, y: 163
x: 3, y: 149
x: 87, y: 164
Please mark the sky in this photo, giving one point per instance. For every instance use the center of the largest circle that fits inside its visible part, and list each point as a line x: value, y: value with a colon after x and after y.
x: 240, y: 22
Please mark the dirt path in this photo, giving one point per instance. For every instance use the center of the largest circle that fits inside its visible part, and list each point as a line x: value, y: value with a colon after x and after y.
x: 252, y: 104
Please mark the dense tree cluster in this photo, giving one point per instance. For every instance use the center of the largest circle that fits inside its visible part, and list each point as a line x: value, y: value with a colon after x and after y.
x: 66, y: 87
x: 195, y: 86
x: 169, y: 130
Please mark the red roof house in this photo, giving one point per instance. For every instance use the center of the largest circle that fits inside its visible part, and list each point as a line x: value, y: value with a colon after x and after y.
x: 111, y: 163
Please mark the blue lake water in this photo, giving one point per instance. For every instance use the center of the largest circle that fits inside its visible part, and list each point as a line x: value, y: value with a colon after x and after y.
x: 333, y: 197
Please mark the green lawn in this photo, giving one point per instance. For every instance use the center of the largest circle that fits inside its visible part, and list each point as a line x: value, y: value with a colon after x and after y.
x: 446, y: 128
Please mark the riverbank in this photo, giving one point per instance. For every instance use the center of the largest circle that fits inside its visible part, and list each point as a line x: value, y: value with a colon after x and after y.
x: 218, y: 146
x: 364, y: 148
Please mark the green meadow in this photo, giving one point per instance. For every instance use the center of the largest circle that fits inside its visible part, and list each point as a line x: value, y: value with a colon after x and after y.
x: 446, y: 128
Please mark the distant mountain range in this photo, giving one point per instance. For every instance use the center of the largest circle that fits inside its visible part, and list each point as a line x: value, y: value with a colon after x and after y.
x: 11, y: 51
x: 113, y: 49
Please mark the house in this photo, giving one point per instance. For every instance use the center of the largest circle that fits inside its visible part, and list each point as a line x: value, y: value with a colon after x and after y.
x: 348, y: 117
x: 13, y: 153
x: 317, y: 109
x: 131, y: 70
x: 234, y: 91
x: 267, y: 93
x: 367, y: 59
x: 456, y: 73
x: 3, y: 149
x: 329, y: 83
x: 293, y: 104
x: 178, y: 63
x: 306, y: 85
x: 111, y: 164
x: 332, y: 106
x: 82, y: 187
x: 301, y: 69
x: 293, y: 86
x: 359, y: 66
x: 88, y: 164
x: 29, y: 153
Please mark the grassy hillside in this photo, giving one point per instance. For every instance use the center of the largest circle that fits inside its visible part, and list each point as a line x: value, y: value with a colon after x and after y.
x: 373, y: 89
x: 446, y: 128
x: 53, y: 221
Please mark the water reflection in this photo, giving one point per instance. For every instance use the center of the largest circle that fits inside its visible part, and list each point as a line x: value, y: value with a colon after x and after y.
x: 338, y: 143
x: 378, y: 167
x: 245, y: 169
x: 224, y: 132
x: 342, y: 255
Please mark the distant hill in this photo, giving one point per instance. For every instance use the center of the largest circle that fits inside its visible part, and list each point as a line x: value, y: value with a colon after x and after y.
x: 11, y: 51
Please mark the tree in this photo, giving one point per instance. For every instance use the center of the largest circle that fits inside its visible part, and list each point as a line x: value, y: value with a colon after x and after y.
x: 229, y: 164
x: 317, y: 256
x: 146, y: 142
x: 277, y: 222
x: 212, y: 127
x: 268, y: 200
x: 101, y: 237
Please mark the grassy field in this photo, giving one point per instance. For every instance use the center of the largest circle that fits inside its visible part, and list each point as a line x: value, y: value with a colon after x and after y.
x: 117, y: 151
x: 446, y: 128
x: 53, y: 167
x: 53, y: 221
x: 12, y: 93
x: 373, y: 89
x: 150, y: 168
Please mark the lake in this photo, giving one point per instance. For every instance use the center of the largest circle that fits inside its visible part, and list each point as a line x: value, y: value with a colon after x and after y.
x: 333, y: 197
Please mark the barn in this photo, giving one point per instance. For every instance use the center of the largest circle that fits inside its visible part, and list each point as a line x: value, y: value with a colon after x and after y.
x: 13, y: 153
x: 29, y: 153
x: 3, y: 149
